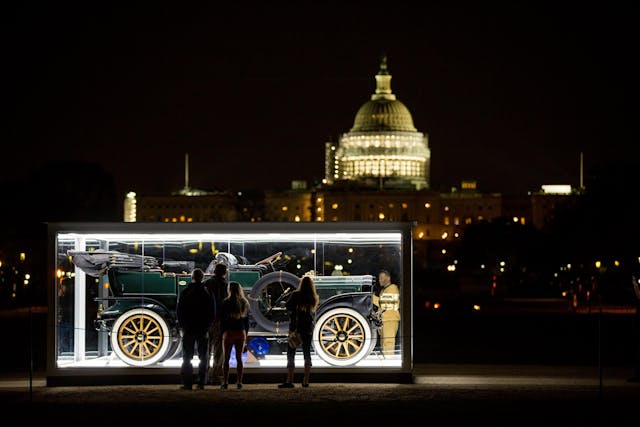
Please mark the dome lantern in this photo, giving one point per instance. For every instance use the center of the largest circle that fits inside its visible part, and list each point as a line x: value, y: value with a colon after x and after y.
x: 383, y: 112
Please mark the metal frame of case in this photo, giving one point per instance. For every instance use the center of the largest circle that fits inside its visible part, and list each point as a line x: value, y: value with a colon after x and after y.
x: 98, y: 364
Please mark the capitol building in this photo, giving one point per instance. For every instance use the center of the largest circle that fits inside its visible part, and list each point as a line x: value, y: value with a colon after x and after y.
x: 377, y: 171
x: 383, y: 145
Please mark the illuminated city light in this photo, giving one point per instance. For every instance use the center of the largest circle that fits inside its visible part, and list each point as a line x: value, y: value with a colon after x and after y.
x: 130, y: 209
x: 556, y: 189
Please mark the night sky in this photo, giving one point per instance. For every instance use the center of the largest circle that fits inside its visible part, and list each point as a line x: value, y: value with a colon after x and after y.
x: 509, y: 97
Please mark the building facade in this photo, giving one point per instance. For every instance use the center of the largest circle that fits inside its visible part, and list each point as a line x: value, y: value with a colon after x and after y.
x: 378, y: 171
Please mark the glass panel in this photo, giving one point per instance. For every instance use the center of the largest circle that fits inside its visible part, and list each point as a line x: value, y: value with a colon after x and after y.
x: 117, y: 293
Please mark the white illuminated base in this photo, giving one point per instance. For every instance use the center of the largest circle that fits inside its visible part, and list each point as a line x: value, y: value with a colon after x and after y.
x: 372, y: 361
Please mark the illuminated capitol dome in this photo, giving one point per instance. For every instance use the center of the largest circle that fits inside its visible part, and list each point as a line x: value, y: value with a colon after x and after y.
x: 383, y: 146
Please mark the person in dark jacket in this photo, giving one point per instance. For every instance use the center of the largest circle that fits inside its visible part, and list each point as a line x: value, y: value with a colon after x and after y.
x: 196, y: 311
x: 302, y: 310
x: 217, y: 285
x: 234, y: 325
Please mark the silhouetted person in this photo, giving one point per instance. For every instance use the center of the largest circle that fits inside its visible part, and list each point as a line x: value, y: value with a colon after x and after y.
x: 234, y: 325
x: 302, y: 312
x: 196, y: 310
x: 217, y: 285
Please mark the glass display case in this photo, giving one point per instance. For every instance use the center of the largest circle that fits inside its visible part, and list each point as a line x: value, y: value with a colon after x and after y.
x: 115, y: 287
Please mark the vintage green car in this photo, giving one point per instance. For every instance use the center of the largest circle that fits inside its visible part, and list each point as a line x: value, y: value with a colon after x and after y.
x: 139, y: 311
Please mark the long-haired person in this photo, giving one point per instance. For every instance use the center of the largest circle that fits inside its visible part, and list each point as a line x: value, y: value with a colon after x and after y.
x: 234, y: 325
x: 302, y: 311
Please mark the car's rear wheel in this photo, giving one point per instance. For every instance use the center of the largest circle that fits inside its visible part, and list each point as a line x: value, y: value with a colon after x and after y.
x: 140, y: 337
x: 342, y: 337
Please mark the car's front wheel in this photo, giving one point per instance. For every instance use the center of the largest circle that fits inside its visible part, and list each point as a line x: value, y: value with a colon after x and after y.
x: 140, y: 337
x: 343, y: 337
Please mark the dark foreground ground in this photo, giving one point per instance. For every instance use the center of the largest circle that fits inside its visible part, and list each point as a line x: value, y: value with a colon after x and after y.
x: 452, y: 394
x: 541, y: 364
